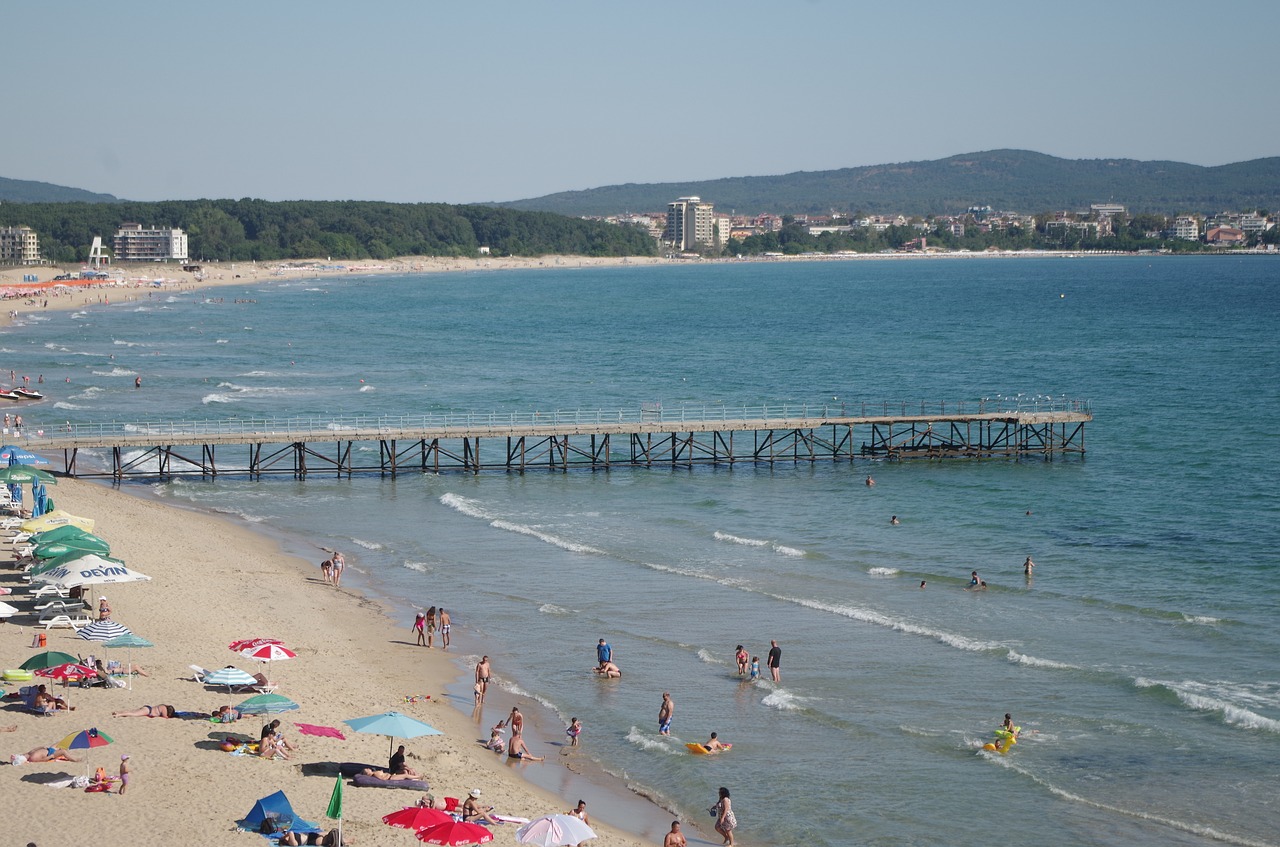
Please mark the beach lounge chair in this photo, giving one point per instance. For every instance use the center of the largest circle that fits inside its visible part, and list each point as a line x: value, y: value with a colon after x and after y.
x: 58, y: 604
x: 65, y: 617
x: 28, y: 693
x: 199, y: 672
x: 48, y: 588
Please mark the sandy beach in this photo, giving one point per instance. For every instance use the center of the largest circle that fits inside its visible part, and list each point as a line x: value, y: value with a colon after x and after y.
x: 212, y: 583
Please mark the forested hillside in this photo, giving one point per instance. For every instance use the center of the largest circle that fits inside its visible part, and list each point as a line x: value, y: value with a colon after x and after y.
x: 263, y: 230
x: 29, y: 191
x: 1015, y: 180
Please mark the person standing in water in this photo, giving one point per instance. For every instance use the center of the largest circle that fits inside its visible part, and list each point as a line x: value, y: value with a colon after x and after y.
x: 665, y: 713
x: 774, y: 661
x: 1027, y: 567
x: 444, y: 629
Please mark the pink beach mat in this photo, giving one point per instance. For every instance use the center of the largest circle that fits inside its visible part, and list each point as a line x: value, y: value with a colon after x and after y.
x: 325, y: 731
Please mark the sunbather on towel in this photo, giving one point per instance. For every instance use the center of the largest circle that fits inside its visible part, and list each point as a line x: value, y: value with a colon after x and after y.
x: 161, y: 711
x: 225, y: 714
x: 325, y: 839
x: 43, y: 754
x: 387, y: 777
x: 471, y: 811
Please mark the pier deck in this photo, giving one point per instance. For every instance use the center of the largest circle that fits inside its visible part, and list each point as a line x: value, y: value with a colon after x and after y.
x: 595, y: 439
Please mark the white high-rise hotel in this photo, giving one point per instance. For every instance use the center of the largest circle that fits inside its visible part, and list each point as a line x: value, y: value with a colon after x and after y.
x: 690, y: 223
x: 153, y: 244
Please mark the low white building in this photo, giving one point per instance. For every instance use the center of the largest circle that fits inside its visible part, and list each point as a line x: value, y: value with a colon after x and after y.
x: 134, y: 243
x: 19, y: 245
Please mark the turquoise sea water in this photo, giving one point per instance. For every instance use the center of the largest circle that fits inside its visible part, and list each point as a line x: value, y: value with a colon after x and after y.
x: 1140, y: 660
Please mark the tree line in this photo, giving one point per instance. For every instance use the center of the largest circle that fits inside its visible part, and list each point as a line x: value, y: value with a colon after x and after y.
x: 303, y: 229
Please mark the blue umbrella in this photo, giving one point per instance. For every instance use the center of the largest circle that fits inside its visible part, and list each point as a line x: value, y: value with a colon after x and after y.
x: 267, y: 704
x: 13, y: 454
x: 392, y: 724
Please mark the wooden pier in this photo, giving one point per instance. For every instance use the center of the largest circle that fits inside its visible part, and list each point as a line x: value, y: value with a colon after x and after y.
x: 562, y: 441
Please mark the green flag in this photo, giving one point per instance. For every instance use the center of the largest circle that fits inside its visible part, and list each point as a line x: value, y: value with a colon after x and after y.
x: 335, y: 801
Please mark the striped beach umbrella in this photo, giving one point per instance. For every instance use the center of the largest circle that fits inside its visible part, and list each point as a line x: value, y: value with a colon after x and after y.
x: 267, y: 704
x: 128, y: 641
x: 105, y: 630
x: 230, y: 677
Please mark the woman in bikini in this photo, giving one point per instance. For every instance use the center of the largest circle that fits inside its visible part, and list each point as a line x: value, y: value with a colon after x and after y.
x: 161, y: 711
x: 431, y: 626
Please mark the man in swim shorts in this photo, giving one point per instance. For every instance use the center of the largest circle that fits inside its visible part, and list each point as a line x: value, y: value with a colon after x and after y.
x: 774, y: 661
x: 665, y: 712
x: 482, y: 679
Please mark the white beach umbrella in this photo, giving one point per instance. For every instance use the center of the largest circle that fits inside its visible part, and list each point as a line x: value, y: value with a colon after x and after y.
x: 89, y: 570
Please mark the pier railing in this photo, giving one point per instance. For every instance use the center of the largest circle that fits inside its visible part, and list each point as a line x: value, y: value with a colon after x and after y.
x: 317, y: 427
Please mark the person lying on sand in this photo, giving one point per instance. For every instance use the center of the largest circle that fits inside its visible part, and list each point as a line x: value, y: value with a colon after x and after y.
x: 161, y: 711
x: 43, y: 754
x: 325, y: 839
x: 387, y: 777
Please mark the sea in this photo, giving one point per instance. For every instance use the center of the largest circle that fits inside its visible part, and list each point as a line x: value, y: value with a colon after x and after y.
x: 1140, y: 659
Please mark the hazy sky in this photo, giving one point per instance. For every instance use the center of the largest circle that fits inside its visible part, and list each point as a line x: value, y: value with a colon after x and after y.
x: 464, y: 101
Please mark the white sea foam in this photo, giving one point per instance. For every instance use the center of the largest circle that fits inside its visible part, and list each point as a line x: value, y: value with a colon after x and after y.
x: 783, y: 550
x: 1034, y: 662
x: 645, y: 742
x: 1202, y: 620
x: 367, y: 388
x: 221, y: 341
x: 553, y: 609
x: 64, y: 405
x: 1221, y: 698
x: 736, y: 539
x: 705, y: 655
x: 468, y: 507
x: 122, y: 343
x: 884, y: 571
x: 368, y: 545
x: 879, y: 619
x: 262, y: 373
x: 564, y: 544
x: 783, y: 700
x: 216, y: 398
x: 420, y: 567
x: 511, y: 687
x: 1173, y: 823
x: 88, y: 394
x: 116, y: 372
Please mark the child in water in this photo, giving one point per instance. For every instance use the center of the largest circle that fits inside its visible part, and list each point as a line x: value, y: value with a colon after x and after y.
x: 574, y: 730
x: 755, y: 667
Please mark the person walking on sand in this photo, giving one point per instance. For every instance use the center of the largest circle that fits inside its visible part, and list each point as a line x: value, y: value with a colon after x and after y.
x: 124, y: 773
x: 431, y: 627
x: 675, y: 838
x: 444, y: 629
x: 418, y: 623
x: 665, y: 713
x: 338, y: 564
x: 482, y: 679
x: 726, y: 821
x: 774, y: 661
x: 326, y: 571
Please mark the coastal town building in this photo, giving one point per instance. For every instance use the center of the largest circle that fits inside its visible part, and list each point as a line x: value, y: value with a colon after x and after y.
x: 134, y: 243
x: 1225, y: 235
x: 19, y: 245
x: 1186, y: 228
x: 690, y: 224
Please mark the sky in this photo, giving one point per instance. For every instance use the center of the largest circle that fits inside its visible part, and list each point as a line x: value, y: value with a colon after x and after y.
x: 487, y: 100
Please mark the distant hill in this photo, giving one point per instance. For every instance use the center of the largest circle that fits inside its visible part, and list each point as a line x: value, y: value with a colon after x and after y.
x: 29, y: 191
x: 1015, y: 180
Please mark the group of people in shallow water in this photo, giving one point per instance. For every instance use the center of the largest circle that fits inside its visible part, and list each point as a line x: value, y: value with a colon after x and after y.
x: 424, y: 625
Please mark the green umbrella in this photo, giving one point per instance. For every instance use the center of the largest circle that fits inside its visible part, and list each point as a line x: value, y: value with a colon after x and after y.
x: 47, y: 659
x: 59, y: 533
x: 18, y: 474
x: 86, y: 543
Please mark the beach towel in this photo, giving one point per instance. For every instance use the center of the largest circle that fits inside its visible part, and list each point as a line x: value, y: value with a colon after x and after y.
x: 373, y: 782
x: 322, y: 731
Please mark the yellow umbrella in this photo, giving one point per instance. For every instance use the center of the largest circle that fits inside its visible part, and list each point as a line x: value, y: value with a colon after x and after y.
x: 57, y: 518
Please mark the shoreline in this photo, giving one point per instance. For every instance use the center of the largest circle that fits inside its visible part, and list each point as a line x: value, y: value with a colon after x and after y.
x: 213, y: 581
x: 140, y: 278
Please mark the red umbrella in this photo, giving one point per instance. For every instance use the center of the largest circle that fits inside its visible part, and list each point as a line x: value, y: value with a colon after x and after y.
x: 250, y: 643
x: 269, y: 652
x: 67, y: 670
x: 417, y: 817
x: 455, y: 833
